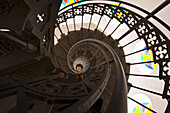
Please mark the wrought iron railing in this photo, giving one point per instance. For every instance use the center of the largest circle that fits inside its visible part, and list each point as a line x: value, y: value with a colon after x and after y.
x: 35, y: 37
x: 154, y: 39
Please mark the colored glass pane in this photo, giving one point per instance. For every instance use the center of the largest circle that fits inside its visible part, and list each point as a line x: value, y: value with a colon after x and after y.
x: 69, y: 2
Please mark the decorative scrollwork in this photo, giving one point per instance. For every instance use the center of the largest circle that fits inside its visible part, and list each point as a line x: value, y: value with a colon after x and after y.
x: 53, y: 87
x: 6, y: 47
x: 98, y: 9
x: 108, y: 11
x: 78, y: 11
x: 69, y: 15
x: 165, y: 66
x: 60, y: 18
x: 88, y: 9
x: 161, y: 52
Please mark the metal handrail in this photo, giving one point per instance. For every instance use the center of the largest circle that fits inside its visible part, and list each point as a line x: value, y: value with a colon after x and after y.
x: 149, y: 14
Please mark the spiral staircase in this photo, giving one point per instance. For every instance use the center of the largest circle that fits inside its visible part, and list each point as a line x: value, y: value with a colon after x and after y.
x: 69, y: 61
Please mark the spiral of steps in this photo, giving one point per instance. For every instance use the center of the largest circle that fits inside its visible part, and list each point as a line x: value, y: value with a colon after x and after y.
x: 77, y: 61
x: 99, y: 61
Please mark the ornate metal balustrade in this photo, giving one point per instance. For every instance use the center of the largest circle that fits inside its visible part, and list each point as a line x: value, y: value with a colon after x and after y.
x: 154, y: 39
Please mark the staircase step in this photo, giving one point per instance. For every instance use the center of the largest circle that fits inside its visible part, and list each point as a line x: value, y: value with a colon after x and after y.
x: 64, y: 41
x: 74, y: 37
x: 60, y: 51
x: 85, y: 34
